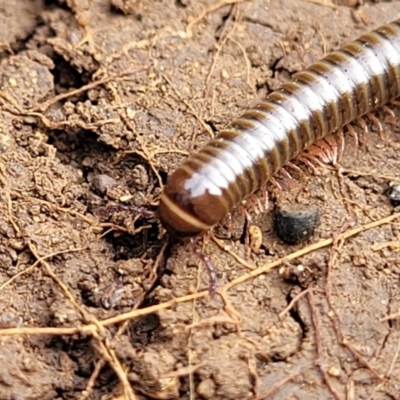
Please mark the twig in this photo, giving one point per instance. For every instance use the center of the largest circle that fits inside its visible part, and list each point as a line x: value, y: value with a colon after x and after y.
x: 152, y: 309
x: 318, y: 341
x: 44, y: 106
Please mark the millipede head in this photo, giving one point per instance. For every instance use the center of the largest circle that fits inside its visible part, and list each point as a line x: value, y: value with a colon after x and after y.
x: 175, y: 219
x: 187, y: 208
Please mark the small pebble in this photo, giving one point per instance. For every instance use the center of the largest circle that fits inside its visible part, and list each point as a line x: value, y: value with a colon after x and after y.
x: 334, y: 371
x: 394, y: 195
x: 102, y: 183
x: 295, y: 224
x: 206, y: 389
x: 255, y: 235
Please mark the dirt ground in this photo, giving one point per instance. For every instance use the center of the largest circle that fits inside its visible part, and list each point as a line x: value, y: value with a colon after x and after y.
x: 100, y: 101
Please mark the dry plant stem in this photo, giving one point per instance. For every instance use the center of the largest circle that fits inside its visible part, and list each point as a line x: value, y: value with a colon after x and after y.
x: 59, y: 208
x: 209, y: 10
x: 293, y: 302
x: 152, y: 309
x: 323, y: 40
x: 101, y: 362
x: 112, y: 359
x: 246, y: 60
x: 276, y: 386
x: 355, y: 174
x: 92, y: 380
x: 345, y: 196
x: 255, y: 379
x: 10, y: 214
x: 308, y: 249
x: 44, y: 106
x: 226, y: 248
x: 37, y: 262
x: 190, y: 107
x: 192, y: 386
x: 335, y: 250
x: 350, y: 389
x: 391, y: 316
x: 318, y: 341
x: 100, y: 334
x: 395, y: 357
x: 230, y: 309
x: 17, y: 110
x: 143, y: 151
x: 224, y: 35
x: 97, y: 328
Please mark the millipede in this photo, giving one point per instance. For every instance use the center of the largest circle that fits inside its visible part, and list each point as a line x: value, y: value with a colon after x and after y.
x: 328, y: 95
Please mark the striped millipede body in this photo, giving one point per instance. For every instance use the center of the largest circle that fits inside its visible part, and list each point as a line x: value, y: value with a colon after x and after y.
x: 331, y: 93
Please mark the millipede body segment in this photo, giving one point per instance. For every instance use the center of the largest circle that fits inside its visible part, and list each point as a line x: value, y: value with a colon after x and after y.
x: 343, y: 86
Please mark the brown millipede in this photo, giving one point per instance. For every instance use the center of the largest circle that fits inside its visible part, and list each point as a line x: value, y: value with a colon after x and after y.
x: 331, y: 93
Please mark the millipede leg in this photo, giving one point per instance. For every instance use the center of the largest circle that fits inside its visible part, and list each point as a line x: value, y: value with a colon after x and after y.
x: 295, y: 168
x: 276, y: 183
x: 287, y: 175
x: 308, y: 161
x: 353, y: 132
x: 393, y: 119
x: 229, y: 222
x: 396, y: 102
x: 266, y: 197
x: 331, y: 150
x: 376, y: 121
x: 254, y: 203
x: 212, y: 286
x: 341, y: 144
x: 317, y: 155
x: 245, y: 213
